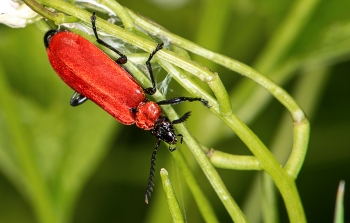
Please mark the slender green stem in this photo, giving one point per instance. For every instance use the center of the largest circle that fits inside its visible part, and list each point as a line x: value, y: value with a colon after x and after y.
x: 35, y: 6
x: 301, y: 123
x: 212, y: 175
x: 339, y: 206
x: 203, y: 203
x: 284, y: 182
x: 228, y: 161
x: 174, y: 206
x: 58, y: 18
x: 282, y: 40
x: 312, y: 84
x: 120, y: 11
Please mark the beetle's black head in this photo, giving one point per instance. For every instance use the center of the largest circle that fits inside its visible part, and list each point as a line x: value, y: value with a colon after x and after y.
x: 163, y: 130
x: 47, y: 38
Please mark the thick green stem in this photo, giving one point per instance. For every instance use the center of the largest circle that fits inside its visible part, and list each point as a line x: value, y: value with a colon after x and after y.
x: 120, y: 11
x: 228, y: 161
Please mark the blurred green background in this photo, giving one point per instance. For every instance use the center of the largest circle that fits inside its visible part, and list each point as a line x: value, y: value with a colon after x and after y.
x: 106, y: 164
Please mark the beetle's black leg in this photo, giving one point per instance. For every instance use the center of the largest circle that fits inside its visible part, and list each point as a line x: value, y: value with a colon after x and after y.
x: 181, y: 136
x: 151, y: 173
x: 152, y: 89
x: 122, y: 59
x: 178, y: 100
x: 77, y: 99
x: 172, y: 149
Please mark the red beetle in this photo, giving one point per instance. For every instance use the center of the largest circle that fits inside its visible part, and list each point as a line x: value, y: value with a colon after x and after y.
x: 95, y: 76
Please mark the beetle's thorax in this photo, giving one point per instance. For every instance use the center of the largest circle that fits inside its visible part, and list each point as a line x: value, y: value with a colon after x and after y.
x: 146, y: 114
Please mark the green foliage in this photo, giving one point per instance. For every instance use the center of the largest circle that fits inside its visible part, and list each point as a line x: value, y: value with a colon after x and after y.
x: 50, y: 151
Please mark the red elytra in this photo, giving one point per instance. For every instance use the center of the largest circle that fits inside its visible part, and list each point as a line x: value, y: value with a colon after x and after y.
x: 95, y: 76
x: 89, y: 71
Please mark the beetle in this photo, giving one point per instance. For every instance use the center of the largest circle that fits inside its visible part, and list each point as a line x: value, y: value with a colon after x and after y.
x: 95, y: 76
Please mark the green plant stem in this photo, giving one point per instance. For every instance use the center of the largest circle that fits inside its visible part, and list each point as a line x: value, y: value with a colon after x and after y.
x: 339, y: 206
x: 301, y: 124
x: 59, y: 18
x: 35, y: 6
x: 121, y: 12
x: 203, y: 203
x: 211, y: 174
x: 38, y: 193
x: 228, y: 161
x: 284, y: 182
x: 310, y: 83
x: 280, y: 42
x: 174, y: 207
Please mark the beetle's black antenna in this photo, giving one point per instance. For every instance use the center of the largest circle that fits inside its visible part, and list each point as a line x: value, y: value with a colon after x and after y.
x: 182, y: 119
x: 151, y: 173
